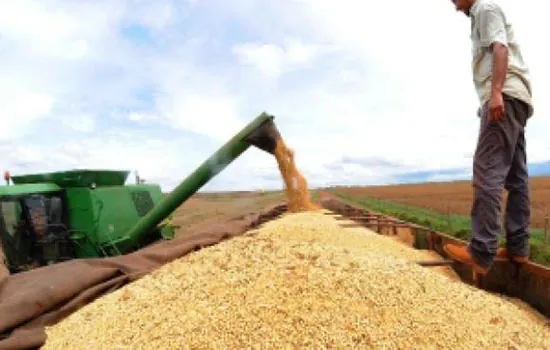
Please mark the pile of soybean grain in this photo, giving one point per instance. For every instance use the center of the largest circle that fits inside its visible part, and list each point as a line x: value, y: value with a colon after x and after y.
x: 301, y: 281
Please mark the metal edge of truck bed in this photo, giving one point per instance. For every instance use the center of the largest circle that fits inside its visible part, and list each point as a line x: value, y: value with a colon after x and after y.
x: 528, y: 282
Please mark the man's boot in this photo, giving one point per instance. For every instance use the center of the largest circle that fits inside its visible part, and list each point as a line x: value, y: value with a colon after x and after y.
x: 502, y: 253
x: 461, y: 253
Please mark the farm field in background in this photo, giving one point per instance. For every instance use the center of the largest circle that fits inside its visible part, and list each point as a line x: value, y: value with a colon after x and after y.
x: 451, y: 197
x: 445, y: 207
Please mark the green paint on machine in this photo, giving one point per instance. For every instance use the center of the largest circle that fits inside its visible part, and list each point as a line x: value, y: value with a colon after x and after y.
x: 48, y: 218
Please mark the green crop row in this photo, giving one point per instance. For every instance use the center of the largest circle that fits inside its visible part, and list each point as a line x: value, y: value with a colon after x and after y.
x: 458, y: 226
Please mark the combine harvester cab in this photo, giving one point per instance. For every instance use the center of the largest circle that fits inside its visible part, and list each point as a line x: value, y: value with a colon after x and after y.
x: 54, y: 217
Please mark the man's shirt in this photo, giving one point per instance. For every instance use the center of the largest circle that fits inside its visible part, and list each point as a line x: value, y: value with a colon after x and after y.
x: 490, y: 25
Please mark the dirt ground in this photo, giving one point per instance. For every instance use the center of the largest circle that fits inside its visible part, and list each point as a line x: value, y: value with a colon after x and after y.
x: 453, y: 197
x: 202, y: 210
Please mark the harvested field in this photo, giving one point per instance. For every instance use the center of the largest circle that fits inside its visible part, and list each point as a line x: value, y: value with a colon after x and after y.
x: 453, y: 197
x: 205, y: 209
x: 301, y: 281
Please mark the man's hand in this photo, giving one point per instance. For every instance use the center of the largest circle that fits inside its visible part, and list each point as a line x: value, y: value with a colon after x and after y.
x: 496, y: 107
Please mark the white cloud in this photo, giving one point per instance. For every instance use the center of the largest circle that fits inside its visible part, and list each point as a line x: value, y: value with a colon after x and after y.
x: 387, y: 80
x: 157, y: 160
x: 57, y: 29
x: 267, y: 59
x: 145, y: 118
x: 156, y: 15
x: 210, y: 115
x: 81, y: 123
x: 273, y: 60
x: 298, y: 53
x: 450, y: 177
x: 137, y: 116
x: 19, y: 108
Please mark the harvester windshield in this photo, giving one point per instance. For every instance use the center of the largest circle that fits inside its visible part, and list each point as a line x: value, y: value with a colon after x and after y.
x: 10, y: 212
x: 32, y: 229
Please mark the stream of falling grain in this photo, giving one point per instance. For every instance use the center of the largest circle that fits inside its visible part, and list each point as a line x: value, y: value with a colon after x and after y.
x: 296, y: 187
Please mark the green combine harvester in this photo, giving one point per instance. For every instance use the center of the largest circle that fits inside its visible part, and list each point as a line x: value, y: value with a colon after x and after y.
x: 54, y: 217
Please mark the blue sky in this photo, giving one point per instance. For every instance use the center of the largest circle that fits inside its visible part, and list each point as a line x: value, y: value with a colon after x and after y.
x: 364, y: 94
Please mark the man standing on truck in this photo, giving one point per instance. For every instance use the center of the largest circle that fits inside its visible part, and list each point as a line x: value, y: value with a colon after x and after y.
x: 502, y: 82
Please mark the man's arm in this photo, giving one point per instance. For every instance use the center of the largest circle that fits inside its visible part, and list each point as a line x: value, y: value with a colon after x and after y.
x: 492, y: 28
x: 500, y: 68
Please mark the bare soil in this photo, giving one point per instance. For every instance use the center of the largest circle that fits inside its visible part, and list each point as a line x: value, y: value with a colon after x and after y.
x: 202, y: 210
x: 453, y: 197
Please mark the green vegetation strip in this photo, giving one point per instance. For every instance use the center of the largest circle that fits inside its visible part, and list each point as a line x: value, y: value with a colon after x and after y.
x: 458, y: 226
